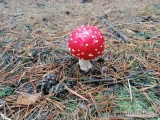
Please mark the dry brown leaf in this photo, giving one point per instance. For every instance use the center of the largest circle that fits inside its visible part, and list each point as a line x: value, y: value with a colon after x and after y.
x: 28, y: 99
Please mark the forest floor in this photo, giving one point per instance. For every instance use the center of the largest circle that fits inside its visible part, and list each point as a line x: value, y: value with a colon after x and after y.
x: 40, y: 79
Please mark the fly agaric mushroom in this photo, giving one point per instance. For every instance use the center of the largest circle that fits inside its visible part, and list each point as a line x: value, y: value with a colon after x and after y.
x: 86, y: 43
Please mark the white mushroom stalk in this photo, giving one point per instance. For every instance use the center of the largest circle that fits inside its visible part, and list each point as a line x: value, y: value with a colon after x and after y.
x: 85, y: 65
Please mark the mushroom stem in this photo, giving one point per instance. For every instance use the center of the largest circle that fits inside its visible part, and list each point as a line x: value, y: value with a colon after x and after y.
x: 85, y: 65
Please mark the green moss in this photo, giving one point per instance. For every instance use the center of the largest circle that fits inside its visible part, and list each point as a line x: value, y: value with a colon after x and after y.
x: 6, y: 91
x: 143, y: 34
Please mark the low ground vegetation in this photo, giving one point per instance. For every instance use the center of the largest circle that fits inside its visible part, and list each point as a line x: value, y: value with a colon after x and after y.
x: 40, y: 79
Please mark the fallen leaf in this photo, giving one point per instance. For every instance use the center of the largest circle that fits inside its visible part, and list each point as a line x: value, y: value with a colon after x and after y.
x: 28, y: 99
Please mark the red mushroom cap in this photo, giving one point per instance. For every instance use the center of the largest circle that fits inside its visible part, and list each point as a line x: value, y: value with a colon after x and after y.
x: 86, y: 42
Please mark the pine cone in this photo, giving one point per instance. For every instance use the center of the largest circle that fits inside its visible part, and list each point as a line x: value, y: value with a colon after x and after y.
x: 46, y: 83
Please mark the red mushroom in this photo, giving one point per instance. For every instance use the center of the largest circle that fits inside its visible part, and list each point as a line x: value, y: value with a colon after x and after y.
x: 86, y: 43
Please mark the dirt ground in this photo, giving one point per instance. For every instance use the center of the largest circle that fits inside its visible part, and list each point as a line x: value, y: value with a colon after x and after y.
x: 34, y: 36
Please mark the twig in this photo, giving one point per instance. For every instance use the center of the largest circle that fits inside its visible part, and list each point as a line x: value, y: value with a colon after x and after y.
x: 75, y: 93
x: 4, y: 117
x: 146, y: 88
x: 114, y: 30
x: 130, y: 90
x: 111, y: 80
x: 154, y: 105
x: 143, y: 116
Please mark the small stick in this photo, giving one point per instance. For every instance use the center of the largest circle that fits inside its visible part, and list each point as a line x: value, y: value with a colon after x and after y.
x: 114, y: 30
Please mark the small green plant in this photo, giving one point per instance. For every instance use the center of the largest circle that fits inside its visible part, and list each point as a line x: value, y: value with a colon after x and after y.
x: 143, y: 34
x: 6, y: 91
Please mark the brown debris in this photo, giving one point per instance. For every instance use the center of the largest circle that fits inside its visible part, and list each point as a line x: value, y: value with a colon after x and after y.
x: 27, y: 99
